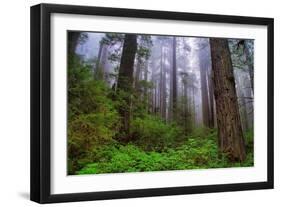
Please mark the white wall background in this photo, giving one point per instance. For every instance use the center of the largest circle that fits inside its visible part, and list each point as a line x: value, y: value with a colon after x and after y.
x: 14, y: 101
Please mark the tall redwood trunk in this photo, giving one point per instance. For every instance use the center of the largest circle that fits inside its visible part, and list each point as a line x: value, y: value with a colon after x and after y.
x: 154, y: 89
x: 230, y: 135
x: 146, y: 95
x: 138, y: 73
x: 211, y: 100
x: 204, y: 93
x: 170, y: 110
x: 125, y: 79
x: 97, y: 69
x: 185, y: 108
x: 174, y: 78
x: 193, y: 105
x: 250, y: 64
x: 161, y: 82
x: 164, y: 93
x: 100, y: 73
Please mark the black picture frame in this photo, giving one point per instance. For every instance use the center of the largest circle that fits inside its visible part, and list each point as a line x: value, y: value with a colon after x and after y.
x: 41, y: 95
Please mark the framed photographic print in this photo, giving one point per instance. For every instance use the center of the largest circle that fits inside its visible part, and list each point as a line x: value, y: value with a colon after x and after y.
x: 133, y: 103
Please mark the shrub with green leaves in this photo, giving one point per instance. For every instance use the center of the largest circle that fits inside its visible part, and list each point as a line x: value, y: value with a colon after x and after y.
x: 195, y: 153
x: 153, y: 134
x: 93, y: 120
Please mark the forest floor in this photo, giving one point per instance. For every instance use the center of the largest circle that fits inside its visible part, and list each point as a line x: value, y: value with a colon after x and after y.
x: 197, y: 151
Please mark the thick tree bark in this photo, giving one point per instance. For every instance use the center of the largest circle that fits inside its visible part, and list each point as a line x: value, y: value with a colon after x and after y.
x: 125, y: 79
x: 230, y: 135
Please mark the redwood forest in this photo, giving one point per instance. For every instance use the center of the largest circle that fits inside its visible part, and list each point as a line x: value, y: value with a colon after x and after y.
x: 140, y: 102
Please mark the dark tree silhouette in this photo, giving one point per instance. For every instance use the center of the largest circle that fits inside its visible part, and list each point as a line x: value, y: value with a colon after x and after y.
x: 125, y: 78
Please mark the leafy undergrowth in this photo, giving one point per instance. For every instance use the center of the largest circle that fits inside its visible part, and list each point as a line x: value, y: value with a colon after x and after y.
x: 198, y: 151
